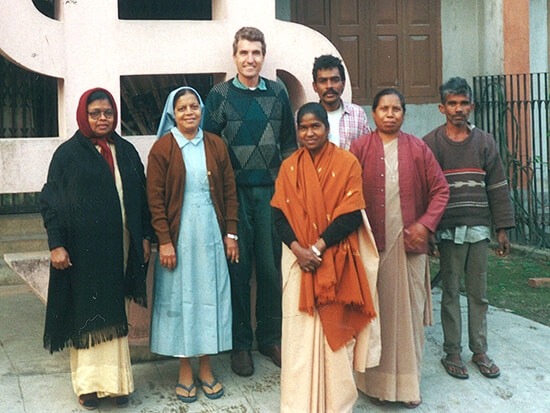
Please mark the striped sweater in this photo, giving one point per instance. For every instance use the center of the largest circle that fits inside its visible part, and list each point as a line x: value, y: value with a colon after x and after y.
x: 476, y: 178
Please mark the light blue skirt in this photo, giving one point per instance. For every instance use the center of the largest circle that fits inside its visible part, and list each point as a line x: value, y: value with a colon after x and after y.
x: 192, y: 303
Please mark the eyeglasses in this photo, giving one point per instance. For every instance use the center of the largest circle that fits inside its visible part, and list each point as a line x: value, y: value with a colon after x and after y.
x: 96, y: 114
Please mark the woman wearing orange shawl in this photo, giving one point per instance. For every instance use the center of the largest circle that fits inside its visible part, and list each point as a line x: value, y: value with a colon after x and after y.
x: 327, y: 267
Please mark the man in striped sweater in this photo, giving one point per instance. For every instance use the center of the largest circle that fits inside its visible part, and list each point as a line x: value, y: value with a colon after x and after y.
x: 471, y: 163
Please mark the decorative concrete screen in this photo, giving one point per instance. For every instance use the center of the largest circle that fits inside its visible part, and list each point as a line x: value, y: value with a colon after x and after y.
x: 88, y: 46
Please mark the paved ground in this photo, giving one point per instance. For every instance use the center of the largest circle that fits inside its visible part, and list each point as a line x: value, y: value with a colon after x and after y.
x: 31, y: 380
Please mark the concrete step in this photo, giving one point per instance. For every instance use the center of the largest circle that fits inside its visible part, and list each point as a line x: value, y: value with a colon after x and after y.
x: 21, y: 224
x: 19, y: 233
x: 7, y: 276
x: 23, y: 243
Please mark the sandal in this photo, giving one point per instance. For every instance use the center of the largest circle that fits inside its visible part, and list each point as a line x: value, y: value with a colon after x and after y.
x: 121, y: 401
x: 89, y: 401
x: 188, y: 398
x: 448, y: 364
x: 485, y: 368
x: 213, y: 395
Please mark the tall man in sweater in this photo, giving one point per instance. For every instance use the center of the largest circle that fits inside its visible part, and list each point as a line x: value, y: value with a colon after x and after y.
x: 253, y: 116
x: 347, y: 121
x: 471, y: 163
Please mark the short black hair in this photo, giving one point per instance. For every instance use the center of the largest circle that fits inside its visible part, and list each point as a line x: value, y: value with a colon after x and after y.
x: 386, y: 92
x: 181, y: 93
x: 455, y: 86
x: 315, y: 109
x: 328, y: 61
x: 99, y: 95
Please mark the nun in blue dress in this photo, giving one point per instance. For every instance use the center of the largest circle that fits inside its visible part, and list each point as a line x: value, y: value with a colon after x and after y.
x: 192, y: 196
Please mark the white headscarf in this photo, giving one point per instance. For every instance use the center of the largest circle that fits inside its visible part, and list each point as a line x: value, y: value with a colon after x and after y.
x: 167, y: 120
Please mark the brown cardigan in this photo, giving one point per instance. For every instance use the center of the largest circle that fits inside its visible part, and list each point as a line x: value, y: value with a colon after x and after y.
x: 166, y: 186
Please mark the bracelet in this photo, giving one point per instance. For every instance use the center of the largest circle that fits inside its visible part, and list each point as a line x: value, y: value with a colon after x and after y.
x: 316, y: 251
x: 233, y: 236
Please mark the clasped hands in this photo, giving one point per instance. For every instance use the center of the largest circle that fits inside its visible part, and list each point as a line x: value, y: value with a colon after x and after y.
x: 306, y: 257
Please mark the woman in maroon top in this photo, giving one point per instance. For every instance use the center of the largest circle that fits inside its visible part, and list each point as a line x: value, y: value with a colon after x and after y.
x: 405, y: 193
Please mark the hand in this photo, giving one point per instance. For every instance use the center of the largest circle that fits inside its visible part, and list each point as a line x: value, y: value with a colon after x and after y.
x: 146, y: 250
x: 321, y: 245
x: 60, y: 258
x: 432, y: 246
x: 503, y: 244
x: 231, y: 249
x: 307, y: 260
x: 167, y: 255
x: 416, y: 235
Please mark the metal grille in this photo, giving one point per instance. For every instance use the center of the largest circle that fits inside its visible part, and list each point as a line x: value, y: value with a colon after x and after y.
x: 28, y: 102
x: 143, y: 99
x: 515, y: 110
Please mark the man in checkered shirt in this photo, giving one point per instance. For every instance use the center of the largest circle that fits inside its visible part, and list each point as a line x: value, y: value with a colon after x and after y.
x: 347, y: 121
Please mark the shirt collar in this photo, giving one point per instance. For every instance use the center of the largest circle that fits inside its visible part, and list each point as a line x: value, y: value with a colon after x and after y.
x: 237, y: 83
x: 344, y: 106
x: 183, y: 141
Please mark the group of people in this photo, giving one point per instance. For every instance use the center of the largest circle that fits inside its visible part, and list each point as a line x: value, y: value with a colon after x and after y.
x: 334, y: 219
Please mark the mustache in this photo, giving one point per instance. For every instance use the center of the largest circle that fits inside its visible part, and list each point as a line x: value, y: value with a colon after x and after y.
x: 333, y: 91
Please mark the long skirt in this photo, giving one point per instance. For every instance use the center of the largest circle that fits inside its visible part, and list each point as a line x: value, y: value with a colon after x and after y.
x: 315, y: 379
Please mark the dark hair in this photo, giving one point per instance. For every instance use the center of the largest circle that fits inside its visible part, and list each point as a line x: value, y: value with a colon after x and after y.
x: 328, y: 61
x: 315, y: 109
x: 251, y: 34
x: 455, y: 86
x: 99, y: 95
x: 386, y: 92
x: 181, y: 93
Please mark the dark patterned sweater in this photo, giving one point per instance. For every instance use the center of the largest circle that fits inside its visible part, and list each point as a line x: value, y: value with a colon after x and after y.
x: 474, y: 171
x: 257, y: 126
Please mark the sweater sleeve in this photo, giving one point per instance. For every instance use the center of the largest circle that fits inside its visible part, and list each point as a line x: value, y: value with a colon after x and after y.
x: 157, y: 167
x: 498, y: 194
x: 341, y: 227
x: 50, y: 203
x: 283, y: 227
x: 287, y: 134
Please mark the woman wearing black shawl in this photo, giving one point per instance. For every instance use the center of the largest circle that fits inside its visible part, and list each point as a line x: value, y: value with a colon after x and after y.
x: 95, y: 212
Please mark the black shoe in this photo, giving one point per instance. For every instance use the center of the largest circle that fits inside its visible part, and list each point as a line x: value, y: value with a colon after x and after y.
x: 241, y: 363
x: 273, y: 352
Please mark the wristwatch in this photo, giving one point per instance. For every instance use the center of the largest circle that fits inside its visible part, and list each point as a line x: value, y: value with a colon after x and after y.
x: 233, y: 236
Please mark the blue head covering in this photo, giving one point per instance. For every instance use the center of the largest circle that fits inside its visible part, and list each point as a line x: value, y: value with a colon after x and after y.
x: 167, y: 120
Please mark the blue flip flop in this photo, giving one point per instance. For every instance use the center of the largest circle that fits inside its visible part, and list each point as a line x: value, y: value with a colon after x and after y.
x: 212, y: 396
x: 188, y: 399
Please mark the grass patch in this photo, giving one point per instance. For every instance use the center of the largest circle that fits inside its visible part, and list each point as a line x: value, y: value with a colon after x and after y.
x: 507, y: 285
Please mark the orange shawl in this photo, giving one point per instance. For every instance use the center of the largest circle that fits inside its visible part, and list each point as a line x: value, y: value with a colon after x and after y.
x: 312, y: 194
